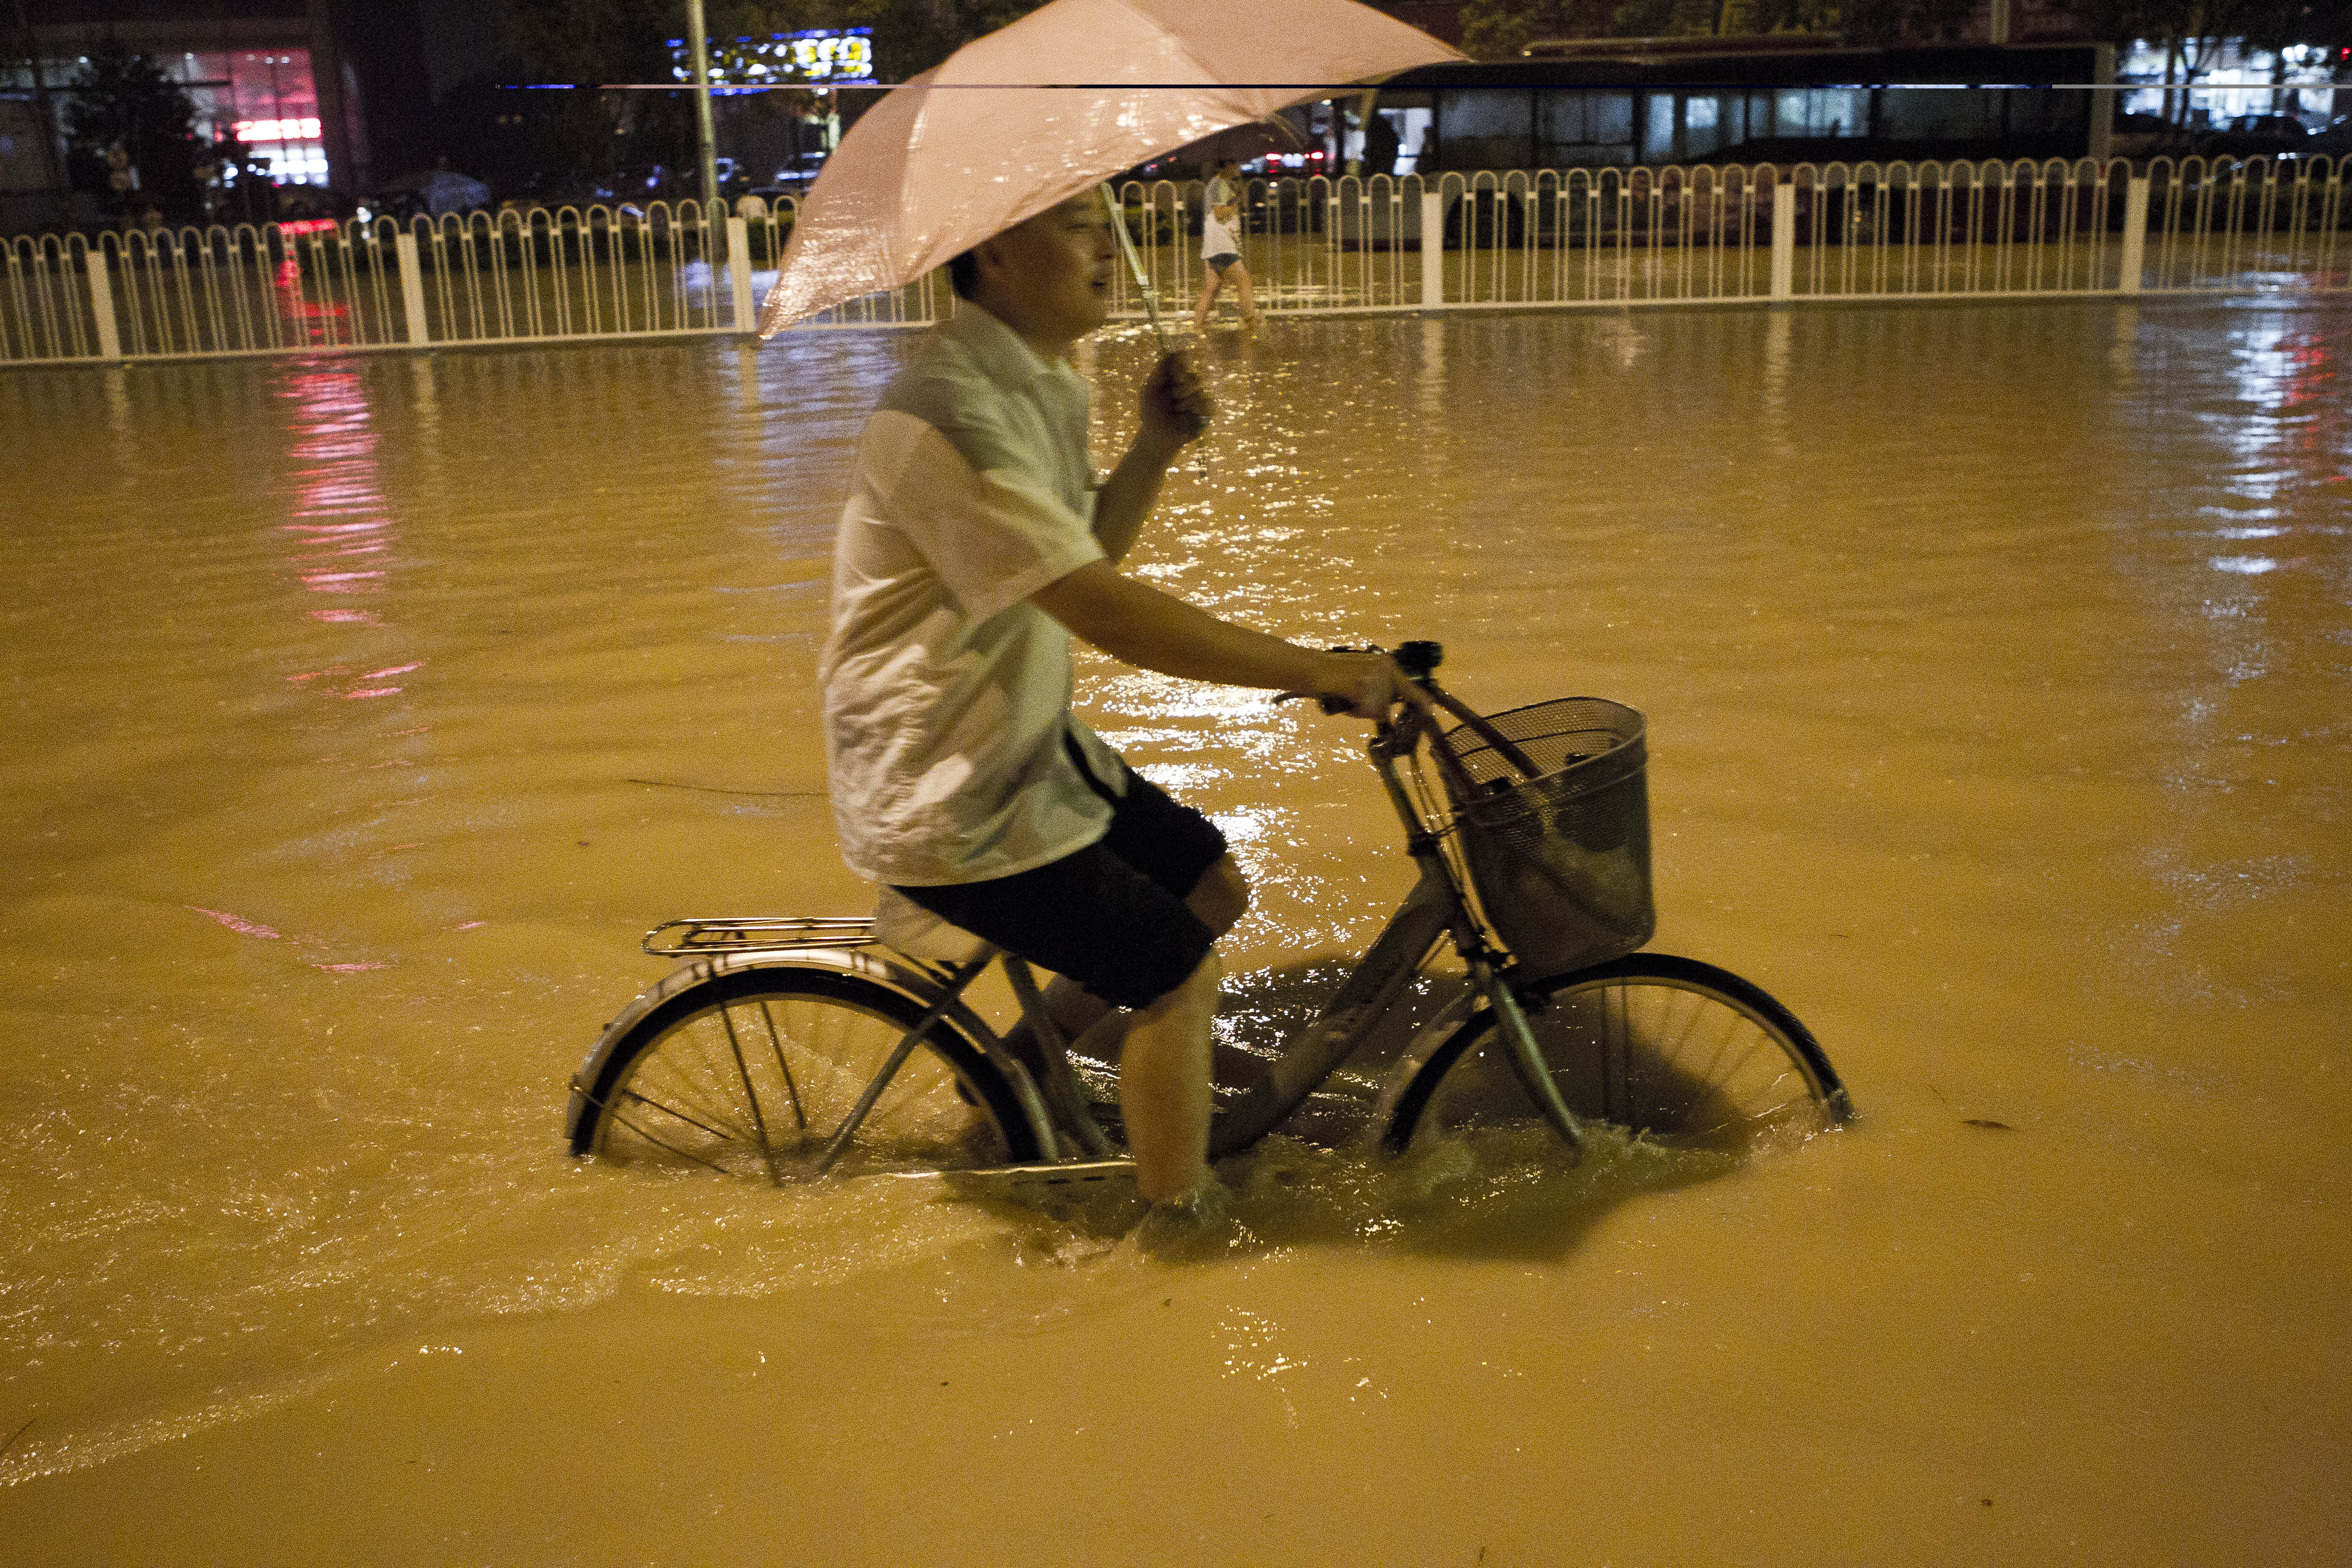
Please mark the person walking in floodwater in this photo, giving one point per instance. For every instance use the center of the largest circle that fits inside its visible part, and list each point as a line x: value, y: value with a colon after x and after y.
x: 976, y: 540
x: 1221, y: 250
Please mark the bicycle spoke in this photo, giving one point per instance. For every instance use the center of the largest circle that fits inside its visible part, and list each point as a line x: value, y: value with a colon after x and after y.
x: 687, y: 1077
x: 660, y: 1143
x: 751, y: 1096
x: 791, y: 1089
x: 671, y: 1111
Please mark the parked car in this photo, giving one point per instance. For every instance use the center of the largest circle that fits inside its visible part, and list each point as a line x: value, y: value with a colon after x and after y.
x: 433, y: 192
x: 2255, y: 136
x: 2333, y: 139
x: 2143, y: 136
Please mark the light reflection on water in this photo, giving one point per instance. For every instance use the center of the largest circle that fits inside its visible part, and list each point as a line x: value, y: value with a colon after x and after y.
x: 364, y: 712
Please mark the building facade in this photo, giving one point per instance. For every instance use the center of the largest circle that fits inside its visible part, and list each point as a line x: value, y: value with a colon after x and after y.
x: 329, y: 94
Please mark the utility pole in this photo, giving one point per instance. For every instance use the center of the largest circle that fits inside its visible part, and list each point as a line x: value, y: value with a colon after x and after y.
x: 705, y: 141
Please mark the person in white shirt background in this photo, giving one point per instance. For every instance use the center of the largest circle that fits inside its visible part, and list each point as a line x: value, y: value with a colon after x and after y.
x: 1221, y: 250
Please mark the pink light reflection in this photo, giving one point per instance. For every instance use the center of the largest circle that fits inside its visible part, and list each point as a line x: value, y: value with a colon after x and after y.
x: 339, y: 507
x: 241, y: 926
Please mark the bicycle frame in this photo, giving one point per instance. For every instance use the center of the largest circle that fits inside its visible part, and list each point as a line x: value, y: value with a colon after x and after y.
x: 1435, y: 910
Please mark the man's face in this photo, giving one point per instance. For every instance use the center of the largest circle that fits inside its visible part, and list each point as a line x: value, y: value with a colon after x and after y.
x: 1052, y: 274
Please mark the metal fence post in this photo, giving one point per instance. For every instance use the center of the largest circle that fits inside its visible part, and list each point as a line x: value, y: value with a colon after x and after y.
x: 1432, y: 250
x: 101, y: 302
x: 739, y: 272
x: 412, y: 286
x: 2135, y: 233
x: 1784, y: 239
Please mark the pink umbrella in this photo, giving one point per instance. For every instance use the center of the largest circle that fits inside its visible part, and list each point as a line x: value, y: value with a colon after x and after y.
x: 1034, y: 113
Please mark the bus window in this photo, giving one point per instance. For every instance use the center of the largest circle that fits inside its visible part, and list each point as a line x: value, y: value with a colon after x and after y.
x: 1560, y: 117
x: 1609, y: 116
x: 1913, y: 114
x: 1486, y: 127
x: 1701, y: 132
x: 1658, y: 137
x: 1411, y: 127
x: 1583, y: 130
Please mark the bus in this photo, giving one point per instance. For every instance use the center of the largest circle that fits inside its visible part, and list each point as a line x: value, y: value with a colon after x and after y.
x: 1777, y: 98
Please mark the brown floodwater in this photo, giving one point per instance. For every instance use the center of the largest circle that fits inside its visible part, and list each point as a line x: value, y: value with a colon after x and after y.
x: 361, y: 713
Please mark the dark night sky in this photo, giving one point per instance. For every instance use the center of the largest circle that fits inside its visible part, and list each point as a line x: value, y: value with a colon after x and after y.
x: 461, y: 36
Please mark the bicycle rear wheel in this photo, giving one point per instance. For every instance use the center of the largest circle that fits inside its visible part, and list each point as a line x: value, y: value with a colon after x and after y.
x: 751, y: 1073
x: 1672, y: 1048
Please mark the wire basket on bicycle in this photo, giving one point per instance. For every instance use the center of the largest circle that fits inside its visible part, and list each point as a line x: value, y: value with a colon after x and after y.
x: 1557, y: 837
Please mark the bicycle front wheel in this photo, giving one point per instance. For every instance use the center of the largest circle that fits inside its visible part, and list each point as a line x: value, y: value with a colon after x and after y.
x: 753, y: 1073
x: 1667, y: 1046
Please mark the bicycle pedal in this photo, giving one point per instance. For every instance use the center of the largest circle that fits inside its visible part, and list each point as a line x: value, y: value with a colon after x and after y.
x: 1070, y: 1177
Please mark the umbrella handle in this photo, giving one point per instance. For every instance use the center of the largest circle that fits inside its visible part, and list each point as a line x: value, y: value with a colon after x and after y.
x: 1150, y: 295
x: 1135, y: 268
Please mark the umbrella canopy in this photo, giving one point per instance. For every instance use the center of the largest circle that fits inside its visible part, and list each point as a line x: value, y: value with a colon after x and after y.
x: 987, y: 138
x: 1244, y: 142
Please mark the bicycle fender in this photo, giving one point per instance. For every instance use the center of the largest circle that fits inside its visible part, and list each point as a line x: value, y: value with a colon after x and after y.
x: 1414, y: 1059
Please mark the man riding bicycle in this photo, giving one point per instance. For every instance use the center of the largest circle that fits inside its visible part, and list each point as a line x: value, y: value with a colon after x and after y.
x: 976, y: 540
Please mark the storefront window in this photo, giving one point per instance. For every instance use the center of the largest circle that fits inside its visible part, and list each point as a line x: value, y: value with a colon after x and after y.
x: 277, y: 107
x: 263, y: 98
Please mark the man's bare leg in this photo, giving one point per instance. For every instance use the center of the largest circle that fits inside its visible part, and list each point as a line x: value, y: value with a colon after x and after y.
x: 1163, y: 1077
x: 1163, y: 1087
x: 1163, y: 1074
x: 1222, y: 897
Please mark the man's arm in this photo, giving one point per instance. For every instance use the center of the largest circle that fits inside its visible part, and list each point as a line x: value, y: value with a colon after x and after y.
x: 1127, y: 494
x: 1138, y: 625
x: 1176, y: 409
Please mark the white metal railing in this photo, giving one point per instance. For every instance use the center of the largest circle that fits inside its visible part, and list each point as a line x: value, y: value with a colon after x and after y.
x: 1605, y: 237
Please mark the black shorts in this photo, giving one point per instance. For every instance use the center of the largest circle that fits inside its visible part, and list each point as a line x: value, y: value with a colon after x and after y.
x: 1112, y: 916
x: 1224, y: 259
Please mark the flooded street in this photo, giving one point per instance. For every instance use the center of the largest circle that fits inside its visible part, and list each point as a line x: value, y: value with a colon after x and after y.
x: 361, y: 712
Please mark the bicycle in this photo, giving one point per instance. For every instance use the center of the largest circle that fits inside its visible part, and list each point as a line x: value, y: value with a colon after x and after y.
x: 795, y: 1049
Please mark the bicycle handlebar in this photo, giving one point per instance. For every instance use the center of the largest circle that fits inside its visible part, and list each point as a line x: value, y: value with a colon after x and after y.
x: 1417, y: 659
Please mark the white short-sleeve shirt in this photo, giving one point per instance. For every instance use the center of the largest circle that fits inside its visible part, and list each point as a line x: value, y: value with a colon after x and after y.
x: 1216, y: 237
x: 947, y: 694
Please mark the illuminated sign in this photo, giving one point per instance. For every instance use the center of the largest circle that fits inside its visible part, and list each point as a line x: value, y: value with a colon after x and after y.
x: 783, y: 59
x: 252, y: 131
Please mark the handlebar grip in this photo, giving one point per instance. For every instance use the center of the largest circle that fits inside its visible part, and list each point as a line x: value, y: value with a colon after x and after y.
x: 1417, y: 659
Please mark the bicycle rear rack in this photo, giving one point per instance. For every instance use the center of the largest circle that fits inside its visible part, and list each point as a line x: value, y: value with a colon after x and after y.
x: 755, y: 934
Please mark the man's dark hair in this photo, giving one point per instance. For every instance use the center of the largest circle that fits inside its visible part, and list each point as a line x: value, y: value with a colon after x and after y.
x: 963, y: 273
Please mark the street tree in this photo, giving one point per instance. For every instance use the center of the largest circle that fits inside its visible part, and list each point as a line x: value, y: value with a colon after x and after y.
x: 122, y: 99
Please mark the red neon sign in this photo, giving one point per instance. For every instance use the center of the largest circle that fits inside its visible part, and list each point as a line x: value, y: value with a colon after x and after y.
x: 252, y: 131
